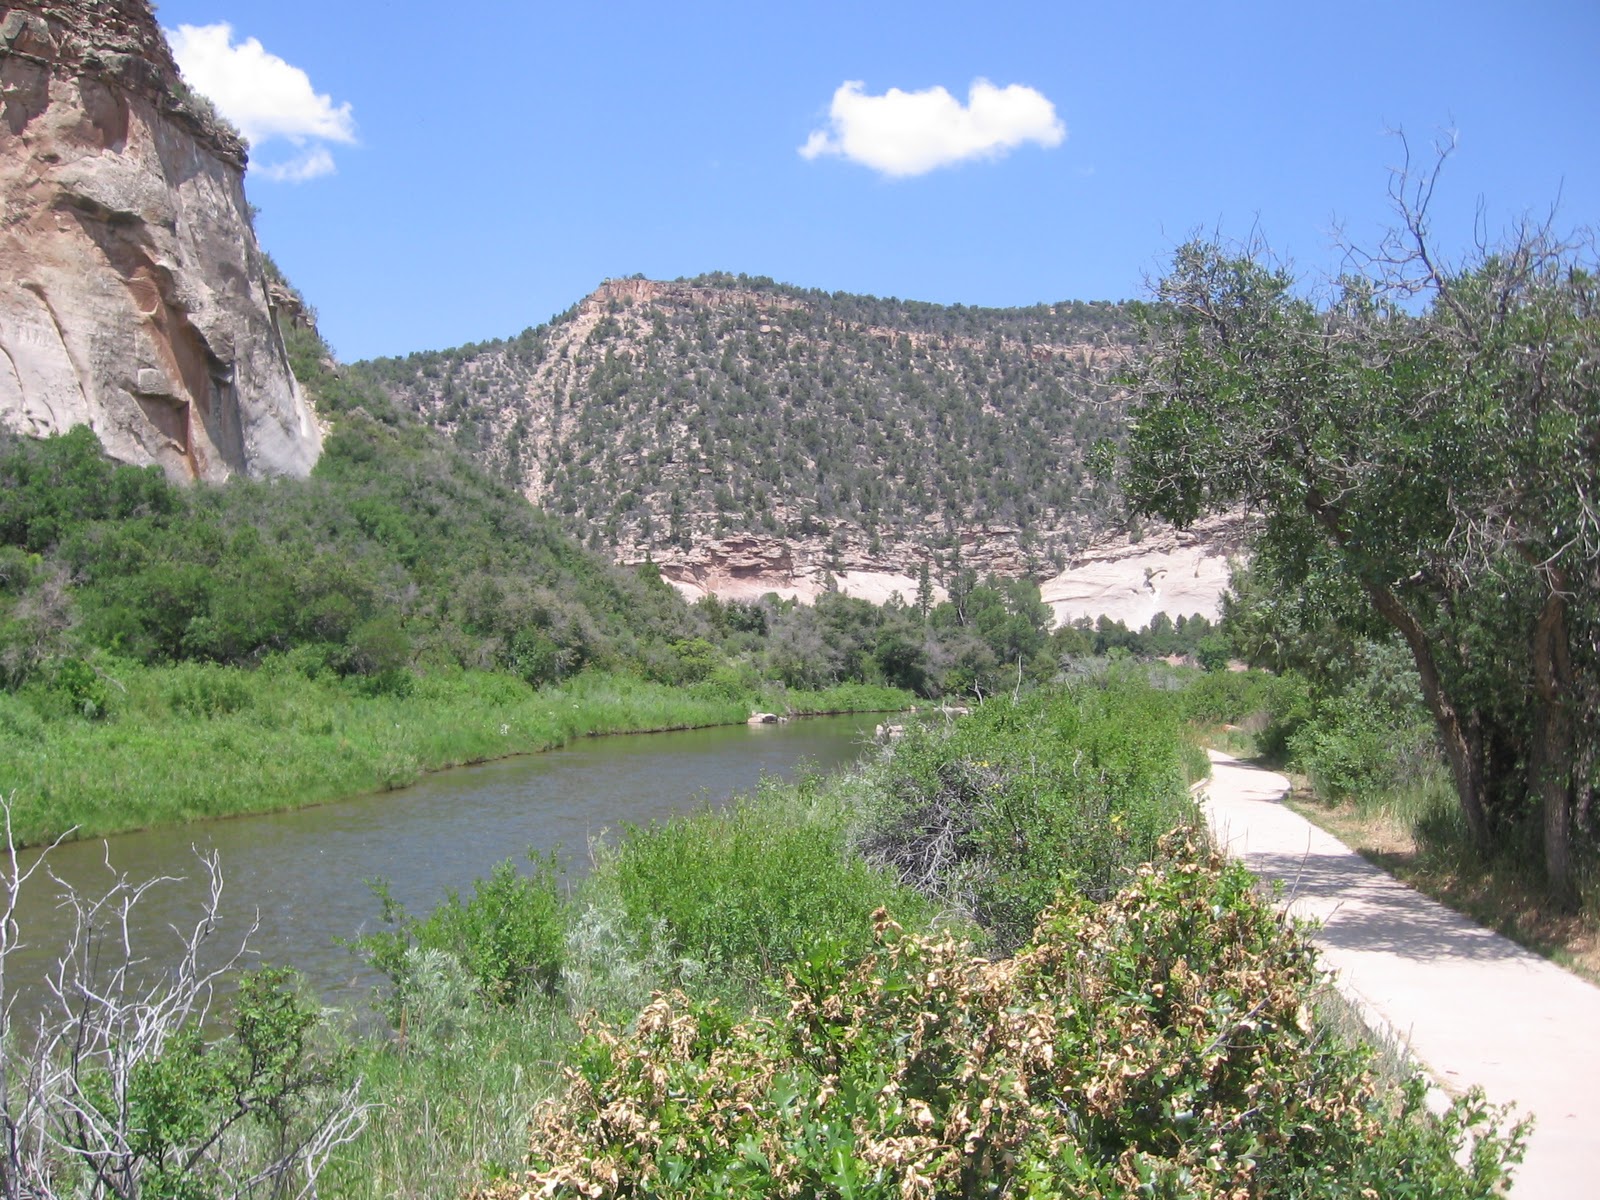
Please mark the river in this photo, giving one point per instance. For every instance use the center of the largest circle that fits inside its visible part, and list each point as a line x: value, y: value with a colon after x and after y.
x: 302, y: 874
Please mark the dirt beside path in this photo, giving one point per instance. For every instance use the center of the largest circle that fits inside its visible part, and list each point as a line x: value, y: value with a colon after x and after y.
x: 1473, y: 1007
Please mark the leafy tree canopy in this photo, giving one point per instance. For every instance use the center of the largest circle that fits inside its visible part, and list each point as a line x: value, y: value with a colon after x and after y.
x: 1422, y: 442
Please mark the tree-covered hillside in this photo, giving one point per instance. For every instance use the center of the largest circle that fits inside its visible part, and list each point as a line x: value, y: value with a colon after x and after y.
x: 654, y: 417
x: 396, y: 551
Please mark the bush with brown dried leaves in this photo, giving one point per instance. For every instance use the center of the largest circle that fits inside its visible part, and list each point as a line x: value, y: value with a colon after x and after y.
x: 1161, y: 1043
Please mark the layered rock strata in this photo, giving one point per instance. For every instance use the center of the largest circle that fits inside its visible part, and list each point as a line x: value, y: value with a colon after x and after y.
x: 1128, y: 579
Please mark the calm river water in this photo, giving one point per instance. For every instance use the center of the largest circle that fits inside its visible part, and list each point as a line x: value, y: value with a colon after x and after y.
x: 302, y: 873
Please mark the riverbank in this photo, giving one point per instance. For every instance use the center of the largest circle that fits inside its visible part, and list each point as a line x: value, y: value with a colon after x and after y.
x: 986, y: 904
x: 900, y: 1007
x: 184, y: 743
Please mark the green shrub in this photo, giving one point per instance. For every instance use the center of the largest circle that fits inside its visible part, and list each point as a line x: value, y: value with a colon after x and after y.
x: 1370, y: 735
x: 748, y: 889
x: 609, y: 966
x: 683, y: 661
x: 1227, y: 697
x: 202, y: 690
x: 507, y: 937
x: 535, y: 658
x: 377, y: 646
x: 997, y: 812
x: 393, y: 681
x: 73, y: 688
x: 1158, y: 1044
x: 1213, y: 653
x: 191, y: 1118
x: 437, y: 997
x: 725, y: 685
x: 1289, y: 707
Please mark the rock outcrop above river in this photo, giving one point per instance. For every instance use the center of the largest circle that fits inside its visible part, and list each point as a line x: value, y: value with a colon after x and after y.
x: 1182, y: 573
x: 1129, y: 579
x: 136, y: 298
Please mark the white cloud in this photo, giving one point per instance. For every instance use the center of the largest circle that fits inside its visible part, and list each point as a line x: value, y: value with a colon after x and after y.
x: 312, y: 164
x: 266, y: 97
x: 911, y: 133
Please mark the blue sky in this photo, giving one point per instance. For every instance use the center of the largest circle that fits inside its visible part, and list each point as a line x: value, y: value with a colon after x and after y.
x: 475, y: 168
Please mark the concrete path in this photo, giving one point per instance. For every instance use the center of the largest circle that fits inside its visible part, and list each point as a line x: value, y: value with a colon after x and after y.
x: 1473, y: 1007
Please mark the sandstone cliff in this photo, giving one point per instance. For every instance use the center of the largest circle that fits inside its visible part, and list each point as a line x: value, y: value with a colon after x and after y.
x: 1182, y: 573
x: 1178, y: 572
x: 135, y: 298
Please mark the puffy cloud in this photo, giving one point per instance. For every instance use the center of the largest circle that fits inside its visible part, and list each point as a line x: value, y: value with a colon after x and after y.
x: 911, y: 133
x: 266, y: 97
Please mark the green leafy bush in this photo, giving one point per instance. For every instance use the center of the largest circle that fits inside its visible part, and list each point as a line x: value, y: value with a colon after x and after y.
x: 748, y: 889
x: 202, y: 690
x: 507, y: 937
x: 1370, y: 734
x: 1157, y: 1044
x: 1213, y: 653
x: 1228, y: 697
x: 725, y: 685
x: 189, y: 1115
x: 683, y: 661
x: 998, y: 811
x: 75, y: 687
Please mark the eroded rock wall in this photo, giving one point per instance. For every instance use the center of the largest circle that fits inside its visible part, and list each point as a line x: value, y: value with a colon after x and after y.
x: 1182, y: 573
x: 134, y: 299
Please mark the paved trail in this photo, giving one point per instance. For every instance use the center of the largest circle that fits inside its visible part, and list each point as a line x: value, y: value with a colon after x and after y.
x: 1474, y: 1007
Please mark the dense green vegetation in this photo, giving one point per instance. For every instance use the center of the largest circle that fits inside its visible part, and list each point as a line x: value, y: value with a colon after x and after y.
x: 1426, y: 476
x: 994, y: 815
x: 727, y: 403
x: 817, y: 943
x: 396, y: 552
x: 192, y: 741
x: 1156, y: 1044
x: 822, y: 995
x: 169, y: 653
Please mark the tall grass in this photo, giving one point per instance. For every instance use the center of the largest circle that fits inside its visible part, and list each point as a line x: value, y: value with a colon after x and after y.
x: 1065, y: 790
x: 1059, y: 792
x: 720, y: 902
x: 449, y: 1114
x: 746, y: 891
x: 194, y: 741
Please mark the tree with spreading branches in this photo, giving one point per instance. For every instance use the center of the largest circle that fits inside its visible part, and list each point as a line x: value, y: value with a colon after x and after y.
x: 1425, y: 438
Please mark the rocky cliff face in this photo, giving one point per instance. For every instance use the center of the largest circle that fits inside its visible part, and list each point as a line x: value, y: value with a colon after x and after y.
x: 135, y: 298
x: 1182, y: 573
